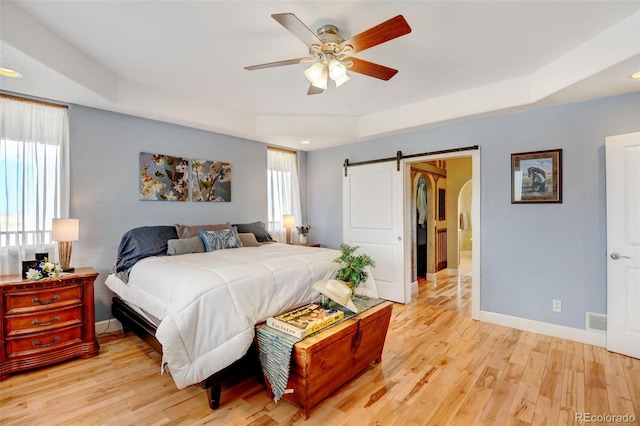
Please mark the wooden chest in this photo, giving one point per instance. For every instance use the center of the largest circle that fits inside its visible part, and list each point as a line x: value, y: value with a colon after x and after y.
x: 324, y: 362
x: 46, y: 321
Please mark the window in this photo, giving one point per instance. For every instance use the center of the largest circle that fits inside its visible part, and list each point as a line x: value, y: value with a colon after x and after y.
x: 33, y: 177
x: 283, y: 193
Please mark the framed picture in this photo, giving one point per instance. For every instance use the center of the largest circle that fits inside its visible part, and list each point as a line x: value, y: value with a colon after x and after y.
x: 163, y: 177
x: 536, y: 177
x: 28, y: 264
x: 210, y: 180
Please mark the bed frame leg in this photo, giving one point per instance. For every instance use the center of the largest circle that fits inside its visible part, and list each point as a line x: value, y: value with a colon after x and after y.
x: 213, y: 394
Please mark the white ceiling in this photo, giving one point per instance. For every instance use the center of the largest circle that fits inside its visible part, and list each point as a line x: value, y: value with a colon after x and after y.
x: 182, y: 61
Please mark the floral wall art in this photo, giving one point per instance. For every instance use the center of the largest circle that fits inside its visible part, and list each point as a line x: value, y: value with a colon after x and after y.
x: 210, y: 180
x: 164, y: 177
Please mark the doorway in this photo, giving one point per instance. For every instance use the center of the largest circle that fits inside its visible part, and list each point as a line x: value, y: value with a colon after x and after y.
x: 465, y: 240
x: 451, y: 221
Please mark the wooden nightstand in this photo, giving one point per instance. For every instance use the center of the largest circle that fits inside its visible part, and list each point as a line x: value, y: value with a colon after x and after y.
x: 46, y: 321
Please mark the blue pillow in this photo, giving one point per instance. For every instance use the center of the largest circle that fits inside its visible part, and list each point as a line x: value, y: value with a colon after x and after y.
x: 222, y: 239
x: 142, y: 242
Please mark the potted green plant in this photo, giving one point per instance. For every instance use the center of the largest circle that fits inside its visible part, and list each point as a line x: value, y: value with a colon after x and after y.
x: 352, y: 270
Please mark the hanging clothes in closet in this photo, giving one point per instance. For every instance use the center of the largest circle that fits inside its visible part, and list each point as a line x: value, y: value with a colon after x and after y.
x: 421, y: 202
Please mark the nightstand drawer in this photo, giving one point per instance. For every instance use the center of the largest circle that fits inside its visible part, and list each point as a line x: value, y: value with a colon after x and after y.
x: 42, y: 299
x: 46, y: 321
x: 40, y: 321
x: 42, y: 342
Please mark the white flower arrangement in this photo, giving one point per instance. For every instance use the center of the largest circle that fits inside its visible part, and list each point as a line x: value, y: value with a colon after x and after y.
x: 303, y: 229
x: 45, y: 269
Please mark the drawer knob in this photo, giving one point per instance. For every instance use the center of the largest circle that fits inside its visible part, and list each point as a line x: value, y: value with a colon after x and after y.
x: 48, y: 302
x: 44, y: 324
x: 44, y: 345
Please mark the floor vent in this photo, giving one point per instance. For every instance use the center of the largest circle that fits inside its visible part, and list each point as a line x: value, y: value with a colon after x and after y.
x: 596, y: 322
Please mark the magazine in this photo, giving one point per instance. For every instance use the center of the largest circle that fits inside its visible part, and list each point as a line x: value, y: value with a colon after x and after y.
x: 305, y: 320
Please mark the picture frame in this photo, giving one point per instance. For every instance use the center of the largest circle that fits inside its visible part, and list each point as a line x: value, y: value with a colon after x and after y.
x: 28, y: 264
x: 536, y: 177
x: 163, y: 177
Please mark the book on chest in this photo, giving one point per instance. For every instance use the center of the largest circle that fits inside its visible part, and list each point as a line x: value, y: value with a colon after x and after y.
x: 305, y: 320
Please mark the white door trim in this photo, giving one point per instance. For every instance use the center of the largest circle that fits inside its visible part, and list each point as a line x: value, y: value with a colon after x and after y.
x: 475, y: 220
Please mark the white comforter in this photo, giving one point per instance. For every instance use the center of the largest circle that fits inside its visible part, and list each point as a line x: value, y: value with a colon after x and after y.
x: 208, y: 303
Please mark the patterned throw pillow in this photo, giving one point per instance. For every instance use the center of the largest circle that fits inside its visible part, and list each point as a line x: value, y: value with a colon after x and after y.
x: 222, y: 239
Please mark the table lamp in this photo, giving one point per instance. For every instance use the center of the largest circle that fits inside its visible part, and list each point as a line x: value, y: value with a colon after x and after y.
x: 65, y: 231
x: 288, y: 222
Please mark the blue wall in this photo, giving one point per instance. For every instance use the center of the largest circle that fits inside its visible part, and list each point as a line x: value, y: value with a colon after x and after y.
x: 531, y: 254
x: 104, y: 150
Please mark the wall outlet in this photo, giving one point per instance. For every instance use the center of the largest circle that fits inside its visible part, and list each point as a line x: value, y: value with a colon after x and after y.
x: 557, y: 306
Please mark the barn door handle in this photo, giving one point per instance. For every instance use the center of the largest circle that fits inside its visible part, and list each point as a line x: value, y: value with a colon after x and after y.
x: 616, y: 256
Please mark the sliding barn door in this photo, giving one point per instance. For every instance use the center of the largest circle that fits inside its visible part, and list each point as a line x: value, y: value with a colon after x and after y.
x: 373, y: 209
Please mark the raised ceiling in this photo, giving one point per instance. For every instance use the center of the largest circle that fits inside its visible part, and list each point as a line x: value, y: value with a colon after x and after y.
x: 182, y: 62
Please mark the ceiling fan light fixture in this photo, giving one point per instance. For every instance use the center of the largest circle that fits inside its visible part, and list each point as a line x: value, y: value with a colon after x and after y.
x: 314, y: 72
x: 321, y: 83
x: 342, y: 80
x: 336, y: 69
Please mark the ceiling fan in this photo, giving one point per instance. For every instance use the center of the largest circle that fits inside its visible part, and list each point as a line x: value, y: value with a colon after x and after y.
x: 331, y: 55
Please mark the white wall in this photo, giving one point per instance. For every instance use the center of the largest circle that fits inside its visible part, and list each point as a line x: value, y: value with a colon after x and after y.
x: 105, y: 147
x: 531, y: 254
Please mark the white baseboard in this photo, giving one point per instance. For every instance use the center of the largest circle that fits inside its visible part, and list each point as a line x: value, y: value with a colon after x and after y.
x: 108, y: 326
x: 553, y: 330
x: 414, y: 288
x: 439, y: 274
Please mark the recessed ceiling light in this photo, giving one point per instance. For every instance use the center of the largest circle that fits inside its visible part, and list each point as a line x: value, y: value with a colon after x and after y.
x: 8, y: 72
x: 306, y: 142
x: 636, y: 75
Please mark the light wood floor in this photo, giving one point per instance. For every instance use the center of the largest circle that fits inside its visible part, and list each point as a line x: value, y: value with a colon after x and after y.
x: 439, y: 368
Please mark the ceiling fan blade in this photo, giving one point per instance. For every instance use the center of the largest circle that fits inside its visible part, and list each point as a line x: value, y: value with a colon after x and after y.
x: 313, y: 90
x: 372, y: 70
x: 275, y: 64
x: 381, y: 33
x: 297, y: 28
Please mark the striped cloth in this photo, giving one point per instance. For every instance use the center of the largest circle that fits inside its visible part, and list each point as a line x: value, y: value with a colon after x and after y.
x: 275, y: 347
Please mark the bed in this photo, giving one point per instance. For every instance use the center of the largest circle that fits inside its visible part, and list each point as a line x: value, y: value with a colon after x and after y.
x: 199, y: 307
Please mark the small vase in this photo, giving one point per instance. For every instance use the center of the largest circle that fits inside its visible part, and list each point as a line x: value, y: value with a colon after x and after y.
x: 303, y: 239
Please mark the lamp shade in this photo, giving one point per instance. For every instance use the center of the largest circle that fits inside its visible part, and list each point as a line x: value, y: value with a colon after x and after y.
x: 336, y: 70
x: 314, y: 72
x: 288, y: 221
x: 66, y: 229
x: 342, y: 80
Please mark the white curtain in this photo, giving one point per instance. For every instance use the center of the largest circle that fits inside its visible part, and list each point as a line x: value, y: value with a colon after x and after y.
x: 283, y: 191
x: 34, y: 179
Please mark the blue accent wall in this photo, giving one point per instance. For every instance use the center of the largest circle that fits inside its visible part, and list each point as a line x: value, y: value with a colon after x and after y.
x: 530, y: 254
x: 104, y: 153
